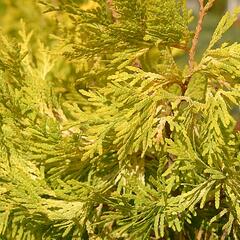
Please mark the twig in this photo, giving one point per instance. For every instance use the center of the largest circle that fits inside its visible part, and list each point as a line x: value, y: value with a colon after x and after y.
x: 202, y: 12
x: 113, y: 11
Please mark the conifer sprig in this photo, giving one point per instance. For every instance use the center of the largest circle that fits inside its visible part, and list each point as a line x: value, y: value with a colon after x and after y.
x: 104, y: 136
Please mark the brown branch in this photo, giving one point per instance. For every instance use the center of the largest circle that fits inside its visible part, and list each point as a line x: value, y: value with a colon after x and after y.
x: 202, y: 12
x: 113, y: 11
x: 192, y: 52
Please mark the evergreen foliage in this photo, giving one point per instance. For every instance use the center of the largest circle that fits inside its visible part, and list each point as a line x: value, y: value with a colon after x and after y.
x: 104, y: 136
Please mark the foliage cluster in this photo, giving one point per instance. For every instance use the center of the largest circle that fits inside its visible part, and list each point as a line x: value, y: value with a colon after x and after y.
x: 104, y: 136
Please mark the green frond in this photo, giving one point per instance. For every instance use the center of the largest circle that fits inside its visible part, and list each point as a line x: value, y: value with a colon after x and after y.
x: 103, y: 135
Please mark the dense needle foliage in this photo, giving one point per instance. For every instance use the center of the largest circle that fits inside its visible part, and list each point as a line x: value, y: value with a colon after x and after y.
x: 104, y: 136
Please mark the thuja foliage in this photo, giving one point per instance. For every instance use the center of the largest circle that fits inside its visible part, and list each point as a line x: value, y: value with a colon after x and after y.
x: 104, y: 136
